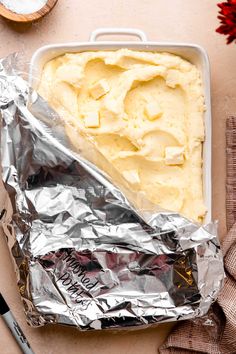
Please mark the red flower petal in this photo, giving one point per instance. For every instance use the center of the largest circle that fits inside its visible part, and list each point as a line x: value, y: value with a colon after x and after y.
x: 227, y: 17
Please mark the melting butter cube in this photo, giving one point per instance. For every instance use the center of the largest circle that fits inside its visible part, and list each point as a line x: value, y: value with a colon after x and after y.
x: 109, y: 109
x: 174, y: 155
x: 99, y: 89
x: 132, y: 176
x: 172, y: 78
x: 153, y: 111
x: 92, y: 120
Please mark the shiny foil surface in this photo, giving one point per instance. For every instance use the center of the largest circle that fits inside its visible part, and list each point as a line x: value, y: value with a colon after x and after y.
x: 85, y: 255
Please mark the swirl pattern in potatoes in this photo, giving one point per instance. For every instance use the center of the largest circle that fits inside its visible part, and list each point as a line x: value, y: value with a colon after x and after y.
x: 144, y: 111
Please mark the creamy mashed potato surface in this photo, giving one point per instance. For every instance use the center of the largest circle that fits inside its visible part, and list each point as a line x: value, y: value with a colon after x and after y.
x: 145, y: 113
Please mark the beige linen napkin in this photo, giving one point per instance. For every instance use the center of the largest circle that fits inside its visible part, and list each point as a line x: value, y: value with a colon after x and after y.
x: 192, y: 336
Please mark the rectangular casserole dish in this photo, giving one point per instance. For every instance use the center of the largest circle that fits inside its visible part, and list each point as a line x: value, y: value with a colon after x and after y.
x: 192, y: 52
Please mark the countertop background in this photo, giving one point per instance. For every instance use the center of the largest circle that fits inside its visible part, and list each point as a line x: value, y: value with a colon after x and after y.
x: 162, y: 20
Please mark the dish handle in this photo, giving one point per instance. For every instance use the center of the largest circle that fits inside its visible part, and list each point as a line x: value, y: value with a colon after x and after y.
x: 124, y: 31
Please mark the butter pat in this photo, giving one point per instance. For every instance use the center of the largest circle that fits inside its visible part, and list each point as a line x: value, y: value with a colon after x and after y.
x: 174, y: 155
x: 172, y: 78
x: 132, y: 176
x: 109, y: 109
x: 99, y: 89
x: 153, y: 111
x: 91, y: 120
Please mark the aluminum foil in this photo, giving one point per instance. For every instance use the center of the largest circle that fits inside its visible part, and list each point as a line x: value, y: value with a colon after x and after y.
x: 86, y: 255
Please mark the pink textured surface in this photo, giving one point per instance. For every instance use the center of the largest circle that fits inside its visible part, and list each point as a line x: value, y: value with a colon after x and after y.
x: 167, y: 20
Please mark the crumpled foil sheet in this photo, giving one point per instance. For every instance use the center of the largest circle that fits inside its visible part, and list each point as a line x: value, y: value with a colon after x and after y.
x: 84, y: 255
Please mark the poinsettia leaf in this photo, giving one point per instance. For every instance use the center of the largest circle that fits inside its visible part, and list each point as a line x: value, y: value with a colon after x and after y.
x: 227, y: 17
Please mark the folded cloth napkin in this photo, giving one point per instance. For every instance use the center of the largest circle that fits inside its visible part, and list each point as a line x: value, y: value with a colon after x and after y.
x: 220, y: 338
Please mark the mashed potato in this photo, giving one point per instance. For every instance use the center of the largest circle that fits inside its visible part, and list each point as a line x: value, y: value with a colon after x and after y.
x: 145, y: 113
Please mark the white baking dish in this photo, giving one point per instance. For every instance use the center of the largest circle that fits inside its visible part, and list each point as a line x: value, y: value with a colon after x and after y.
x: 192, y: 52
